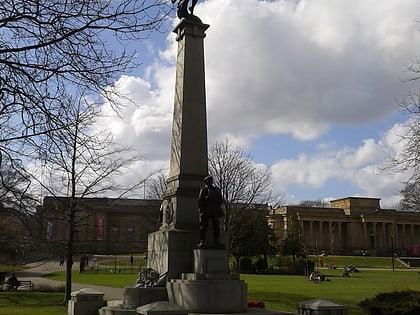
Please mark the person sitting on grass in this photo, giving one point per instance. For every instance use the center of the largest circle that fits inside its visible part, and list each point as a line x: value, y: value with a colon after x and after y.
x: 13, y: 282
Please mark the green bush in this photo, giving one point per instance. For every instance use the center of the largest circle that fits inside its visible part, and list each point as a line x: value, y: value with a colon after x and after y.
x: 260, y: 265
x: 299, y: 266
x: 393, y: 303
x: 246, y: 265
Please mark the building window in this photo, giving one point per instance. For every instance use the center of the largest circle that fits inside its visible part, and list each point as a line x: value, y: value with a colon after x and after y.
x: 114, y: 233
x: 99, y: 229
x: 129, y: 234
x: 50, y: 226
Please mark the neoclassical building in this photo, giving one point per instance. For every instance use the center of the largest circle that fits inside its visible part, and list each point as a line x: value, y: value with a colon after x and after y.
x: 352, y: 226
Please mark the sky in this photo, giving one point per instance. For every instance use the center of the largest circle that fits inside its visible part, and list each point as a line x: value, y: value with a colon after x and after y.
x: 309, y: 89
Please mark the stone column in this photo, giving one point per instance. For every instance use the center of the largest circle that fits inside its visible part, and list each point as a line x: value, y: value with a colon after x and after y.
x: 374, y: 235
x: 365, y: 236
x: 412, y: 241
x: 384, y: 236
x: 331, y: 229
x: 311, y: 231
x: 171, y: 248
x: 188, y: 164
x: 321, y: 236
x: 403, y: 237
x: 340, y: 236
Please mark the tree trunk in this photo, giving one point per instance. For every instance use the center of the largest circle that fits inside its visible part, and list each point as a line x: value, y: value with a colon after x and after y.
x: 69, y: 267
x: 70, y: 249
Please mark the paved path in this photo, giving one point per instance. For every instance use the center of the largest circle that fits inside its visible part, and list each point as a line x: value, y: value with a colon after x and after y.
x: 36, y: 271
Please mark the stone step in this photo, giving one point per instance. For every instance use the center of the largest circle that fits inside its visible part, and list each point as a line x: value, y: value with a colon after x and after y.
x: 210, y: 276
x: 116, y: 310
x: 114, y: 302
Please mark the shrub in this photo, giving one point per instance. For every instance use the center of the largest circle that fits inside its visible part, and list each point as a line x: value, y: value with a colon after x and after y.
x: 49, y: 288
x: 246, y: 266
x: 299, y: 266
x: 260, y: 264
x: 393, y: 303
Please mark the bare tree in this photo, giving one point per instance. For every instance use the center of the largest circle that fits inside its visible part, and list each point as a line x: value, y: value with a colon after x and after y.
x: 16, y: 203
x: 242, y: 182
x: 411, y: 197
x: 13, y: 184
x: 409, y: 159
x: 50, y: 49
x: 51, y: 53
x: 157, y: 186
x: 247, y: 189
x: 79, y: 161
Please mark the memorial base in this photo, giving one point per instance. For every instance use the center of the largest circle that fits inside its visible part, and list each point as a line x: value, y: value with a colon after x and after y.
x: 171, y: 252
x: 211, y: 288
x: 134, y: 297
x: 209, y: 296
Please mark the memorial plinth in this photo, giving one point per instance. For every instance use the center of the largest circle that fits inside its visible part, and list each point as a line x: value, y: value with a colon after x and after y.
x: 170, y: 249
x: 198, y: 280
x: 211, y: 288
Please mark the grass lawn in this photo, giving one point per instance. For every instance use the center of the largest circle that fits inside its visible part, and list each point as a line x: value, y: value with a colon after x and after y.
x: 284, y: 292
x: 277, y: 291
x: 117, y: 280
x: 34, y: 303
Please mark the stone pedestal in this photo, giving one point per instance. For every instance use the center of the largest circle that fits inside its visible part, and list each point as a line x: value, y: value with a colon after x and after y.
x: 171, y: 252
x: 85, y: 302
x: 210, y: 289
x: 210, y: 261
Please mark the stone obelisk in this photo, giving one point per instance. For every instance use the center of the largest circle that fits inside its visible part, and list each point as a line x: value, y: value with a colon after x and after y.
x: 171, y: 248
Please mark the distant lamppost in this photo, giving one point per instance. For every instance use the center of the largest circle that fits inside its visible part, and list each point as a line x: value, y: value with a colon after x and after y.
x: 392, y: 252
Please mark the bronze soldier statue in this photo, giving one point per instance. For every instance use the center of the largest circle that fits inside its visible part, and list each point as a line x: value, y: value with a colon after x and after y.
x: 210, y: 201
x: 185, y: 12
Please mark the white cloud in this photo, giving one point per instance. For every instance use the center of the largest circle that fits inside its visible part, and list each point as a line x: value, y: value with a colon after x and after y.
x: 283, y: 66
x: 369, y: 152
x: 287, y: 67
x: 362, y: 167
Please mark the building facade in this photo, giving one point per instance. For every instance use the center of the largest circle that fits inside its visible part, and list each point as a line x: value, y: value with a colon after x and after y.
x: 102, y: 225
x: 352, y: 226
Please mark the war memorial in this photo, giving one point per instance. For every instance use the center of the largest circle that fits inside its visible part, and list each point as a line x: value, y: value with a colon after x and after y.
x: 183, y: 275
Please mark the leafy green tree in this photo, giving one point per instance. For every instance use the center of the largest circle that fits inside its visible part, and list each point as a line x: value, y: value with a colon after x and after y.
x: 292, y: 243
x: 251, y: 235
